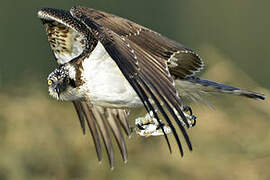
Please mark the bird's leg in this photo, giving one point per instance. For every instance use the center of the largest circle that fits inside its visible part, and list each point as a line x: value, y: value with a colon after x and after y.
x: 149, y: 126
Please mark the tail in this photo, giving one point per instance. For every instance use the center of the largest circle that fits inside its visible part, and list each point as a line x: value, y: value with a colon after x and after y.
x: 202, y: 86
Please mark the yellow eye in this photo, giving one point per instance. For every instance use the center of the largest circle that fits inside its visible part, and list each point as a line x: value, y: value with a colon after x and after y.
x: 49, y: 82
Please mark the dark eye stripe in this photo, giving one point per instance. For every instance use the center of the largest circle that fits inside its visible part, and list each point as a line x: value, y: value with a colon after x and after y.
x: 72, y: 83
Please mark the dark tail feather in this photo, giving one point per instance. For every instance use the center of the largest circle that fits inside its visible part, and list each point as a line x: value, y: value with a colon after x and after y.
x: 210, y: 86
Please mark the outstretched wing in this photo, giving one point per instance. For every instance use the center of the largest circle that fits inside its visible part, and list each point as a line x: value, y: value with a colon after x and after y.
x: 181, y: 61
x: 98, y: 119
x: 148, y: 74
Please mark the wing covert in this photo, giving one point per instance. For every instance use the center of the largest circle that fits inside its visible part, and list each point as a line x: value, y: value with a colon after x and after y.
x: 181, y: 61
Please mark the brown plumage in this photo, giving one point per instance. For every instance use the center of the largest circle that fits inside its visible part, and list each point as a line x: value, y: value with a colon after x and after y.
x: 96, y: 118
x: 150, y: 62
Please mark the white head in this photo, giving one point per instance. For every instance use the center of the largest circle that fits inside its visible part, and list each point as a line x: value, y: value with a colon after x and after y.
x: 62, y: 84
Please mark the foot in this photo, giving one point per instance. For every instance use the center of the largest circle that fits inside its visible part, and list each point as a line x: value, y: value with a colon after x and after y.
x: 148, y: 126
x: 191, y: 119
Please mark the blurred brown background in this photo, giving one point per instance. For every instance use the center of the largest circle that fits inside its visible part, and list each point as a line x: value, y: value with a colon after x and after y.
x: 40, y: 138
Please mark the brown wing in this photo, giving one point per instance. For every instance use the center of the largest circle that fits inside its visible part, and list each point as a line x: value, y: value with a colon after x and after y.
x: 181, y: 61
x: 98, y: 119
x: 65, y: 41
x: 148, y: 75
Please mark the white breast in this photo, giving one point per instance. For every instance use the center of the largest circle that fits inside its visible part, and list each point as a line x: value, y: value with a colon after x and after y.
x: 105, y: 83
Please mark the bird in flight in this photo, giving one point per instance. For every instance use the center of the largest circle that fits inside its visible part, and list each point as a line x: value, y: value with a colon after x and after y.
x: 108, y: 65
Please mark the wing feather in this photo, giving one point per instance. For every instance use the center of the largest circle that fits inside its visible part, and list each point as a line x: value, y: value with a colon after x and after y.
x: 181, y: 60
x: 103, y: 129
x: 91, y: 122
x: 139, y: 67
x: 79, y: 110
x: 98, y: 118
x: 122, y: 115
x: 115, y: 126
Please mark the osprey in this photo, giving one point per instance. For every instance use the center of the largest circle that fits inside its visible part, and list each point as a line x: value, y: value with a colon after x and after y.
x: 109, y: 65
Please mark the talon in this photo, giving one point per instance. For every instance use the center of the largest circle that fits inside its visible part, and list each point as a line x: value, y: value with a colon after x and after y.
x: 147, y: 135
x: 189, y: 115
x: 188, y: 109
x: 140, y: 127
x: 194, y: 121
x: 160, y: 126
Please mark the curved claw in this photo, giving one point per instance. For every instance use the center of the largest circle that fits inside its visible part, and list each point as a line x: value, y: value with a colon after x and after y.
x: 140, y: 127
x: 160, y: 125
x: 192, y: 118
x: 194, y: 121
x: 187, y: 109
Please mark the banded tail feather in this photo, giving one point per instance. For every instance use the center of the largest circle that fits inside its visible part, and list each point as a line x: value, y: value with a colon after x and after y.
x: 202, y: 86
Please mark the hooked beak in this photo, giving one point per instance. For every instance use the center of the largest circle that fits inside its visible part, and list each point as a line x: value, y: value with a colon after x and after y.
x: 57, y: 90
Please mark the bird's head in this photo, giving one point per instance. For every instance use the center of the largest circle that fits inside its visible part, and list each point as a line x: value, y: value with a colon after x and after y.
x: 62, y: 83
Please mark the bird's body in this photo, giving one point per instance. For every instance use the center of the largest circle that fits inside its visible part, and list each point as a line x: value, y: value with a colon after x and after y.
x: 105, y: 85
x: 108, y: 64
x: 111, y: 89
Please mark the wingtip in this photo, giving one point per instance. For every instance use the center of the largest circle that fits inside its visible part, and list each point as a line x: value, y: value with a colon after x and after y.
x: 83, y: 130
x: 125, y: 157
x: 125, y: 161
x: 112, y: 168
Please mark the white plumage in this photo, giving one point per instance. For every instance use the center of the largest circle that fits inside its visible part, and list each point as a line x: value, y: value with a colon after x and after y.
x: 105, y: 83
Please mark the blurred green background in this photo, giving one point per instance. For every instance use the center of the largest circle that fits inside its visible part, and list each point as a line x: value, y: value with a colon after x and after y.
x: 40, y: 138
